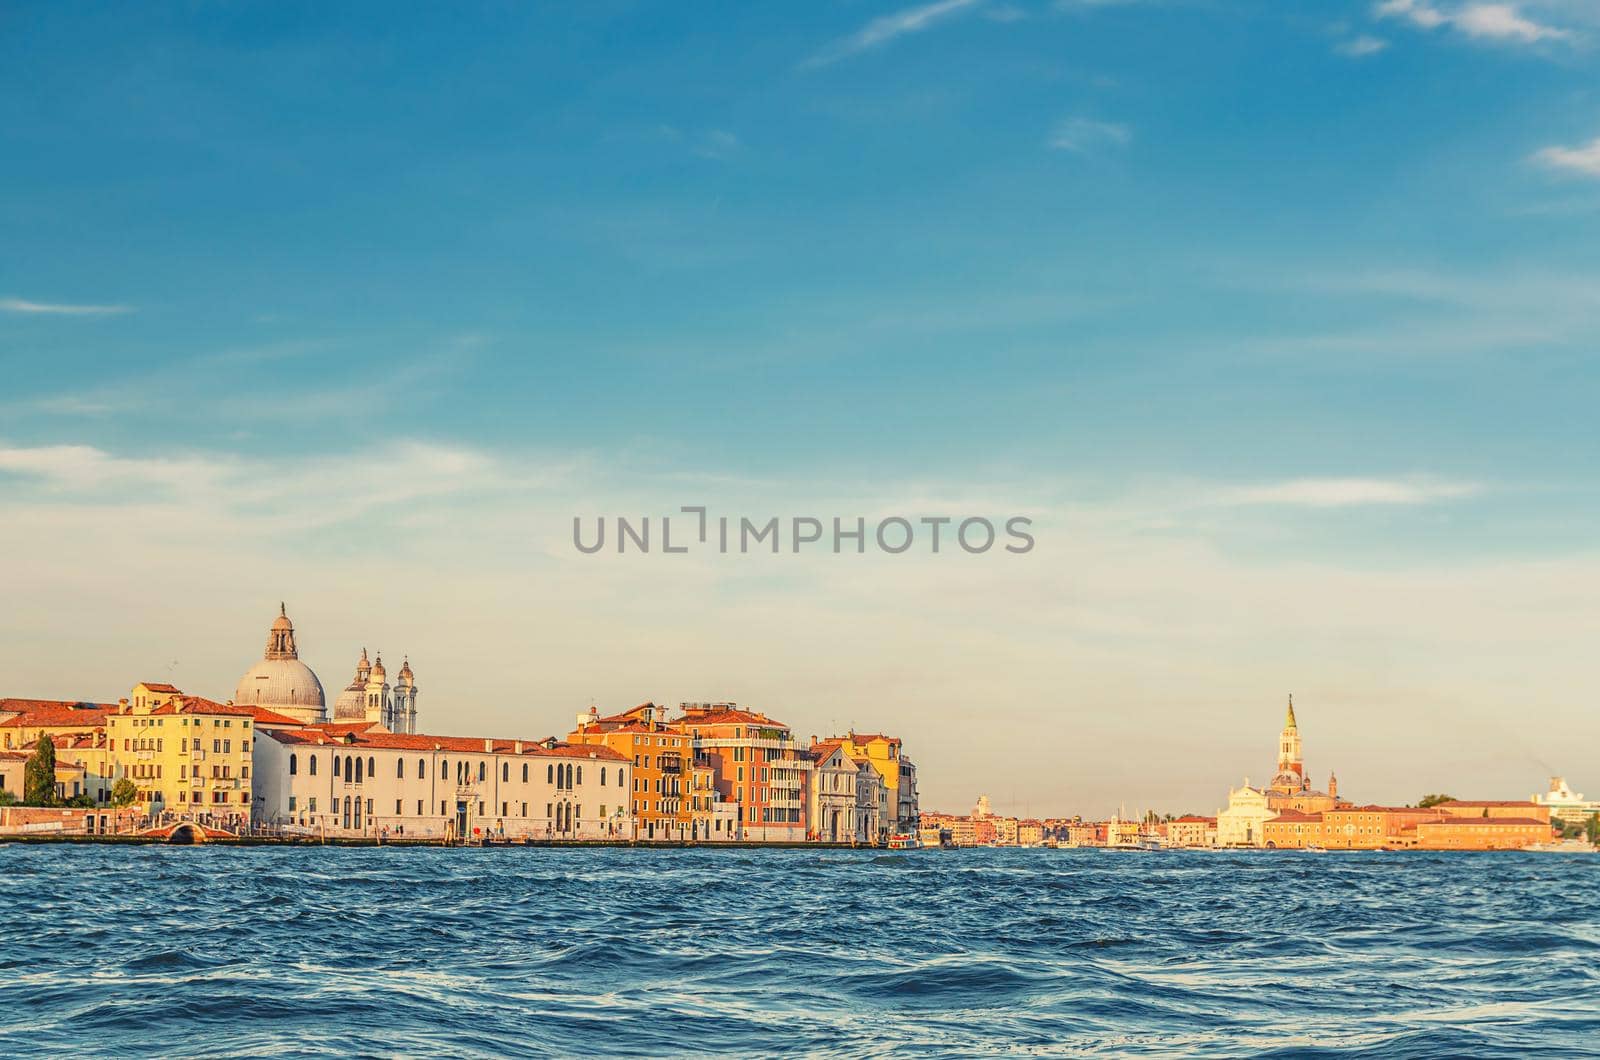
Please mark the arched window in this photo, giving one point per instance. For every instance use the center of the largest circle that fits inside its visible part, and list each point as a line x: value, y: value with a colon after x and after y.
x: 549, y: 774
x: 524, y: 777
x: 620, y: 781
x: 372, y: 767
x: 358, y: 771
x: 400, y: 768
x: 294, y: 765
x: 602, y: 776
x: 482, y: 770
x: 336, y: 765
x: 580, y: 774
x: 422, y: 769
x: 569, y: 775
x: 311, y: 764
x: 505, y: 771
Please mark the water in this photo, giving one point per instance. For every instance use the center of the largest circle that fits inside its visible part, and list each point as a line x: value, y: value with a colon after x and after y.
x: 163, y: 951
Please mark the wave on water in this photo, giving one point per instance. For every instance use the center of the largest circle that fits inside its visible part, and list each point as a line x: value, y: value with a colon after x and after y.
x: 241, y: 952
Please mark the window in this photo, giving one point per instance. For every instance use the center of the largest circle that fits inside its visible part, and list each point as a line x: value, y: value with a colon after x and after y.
x: 311, y: 803
x: 397, y: 810
x: 482, y: 770
x: 294, y: 765
x: 580, y: 774
x: 524, y: 780
x: 419, y: 807
x: 358, y: 770
x: 291, y: 801
x: 336, y: 766
x: 400, y: 773
x: 549, y: 774
x: 505, y: 771
x: 602, y: 780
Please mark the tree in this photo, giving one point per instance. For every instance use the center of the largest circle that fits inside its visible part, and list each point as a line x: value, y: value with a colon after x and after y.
x: 123, y: 792
x: 82, y: 801
x: 39, y: 775
x: 6, y: 798
x: 1429, y: 801
x: 1591, y: 828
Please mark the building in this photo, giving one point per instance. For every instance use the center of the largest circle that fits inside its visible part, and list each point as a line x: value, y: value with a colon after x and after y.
x: 710, y: 818
x: 1494, y: 808
x: 1564, y: 804
x: 1030, y: 833
x: 23, y: 721
x: 284, y: 684
x: 899, y: 775
x: 660, y: 754
x: 1192, y: 830
x: 1241, y: 824
x: 187, y: 756
x: 872, y: 801
x: 361, y: 780
x: 1481, y: 833
x: 831, y: 808
x: 1373, y: 827
x: 761, y: 768
x: 1292, y: 830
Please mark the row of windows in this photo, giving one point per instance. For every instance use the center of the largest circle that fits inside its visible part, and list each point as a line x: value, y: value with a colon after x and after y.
x: 351, y: 811
x: 354, y: 769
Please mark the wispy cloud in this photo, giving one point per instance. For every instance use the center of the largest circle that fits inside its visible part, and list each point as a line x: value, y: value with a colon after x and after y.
x: 881, y: 31
x: 1347, y: 492
x: 1361, y: 47
x: 1584, y: 159
x: 22, y: 305
x: 1085, y: 135
x: 1503, y: 23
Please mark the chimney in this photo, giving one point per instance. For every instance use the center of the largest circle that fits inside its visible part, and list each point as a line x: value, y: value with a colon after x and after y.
x: 517, y: 747
x: 488, y: 745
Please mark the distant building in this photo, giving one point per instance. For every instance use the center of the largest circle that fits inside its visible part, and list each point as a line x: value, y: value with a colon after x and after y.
x: 761, y: 768
x: 1192, y: 830
x: 1241, y: 823
x: 1564, y: 804
x: 661, y: 757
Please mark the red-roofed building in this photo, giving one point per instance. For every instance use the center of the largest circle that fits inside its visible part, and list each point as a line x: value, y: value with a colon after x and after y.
x: 22, y: 721
x: 360, y: 780
x: 760, y: 767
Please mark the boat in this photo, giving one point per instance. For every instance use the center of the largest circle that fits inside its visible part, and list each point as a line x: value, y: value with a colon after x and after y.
x: 903, y: 841
x: 1314, y: 849
x: 1562, y: 846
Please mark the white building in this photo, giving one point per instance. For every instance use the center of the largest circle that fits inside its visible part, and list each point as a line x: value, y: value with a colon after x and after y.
x: 1565, y: 804
x: 360, y: 780
x: 370, y: 698
x: 871, y: 797
x: 831, y: 803
x: 1241, y: 824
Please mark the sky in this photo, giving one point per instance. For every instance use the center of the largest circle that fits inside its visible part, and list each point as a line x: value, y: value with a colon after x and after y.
x: 1278, y: 319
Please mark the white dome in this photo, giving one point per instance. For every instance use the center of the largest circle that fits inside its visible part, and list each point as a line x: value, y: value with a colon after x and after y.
x: 351, y: 704
x: 287, y: 686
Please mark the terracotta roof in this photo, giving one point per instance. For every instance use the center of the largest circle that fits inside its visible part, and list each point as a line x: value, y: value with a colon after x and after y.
x: 157, y: 686
x: 1483, y: 803
x: 13, y: 756
x: 201, y: 705
x: 1194, y: 819
x: 1295, y: 817
x: 732, y: 715
x: 314, y: 735
x: 54, y: 712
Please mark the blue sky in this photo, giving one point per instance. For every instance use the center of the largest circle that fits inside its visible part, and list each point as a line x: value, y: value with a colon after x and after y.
x: 1297, y: 291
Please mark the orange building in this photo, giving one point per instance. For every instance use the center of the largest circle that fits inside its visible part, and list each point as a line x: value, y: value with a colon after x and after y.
x: 661, y: 755
x: 1495, y: 808
x: 761, y: 767
x: 1482, y: 833
x: 1373, y: 827
x: 1292, y: 830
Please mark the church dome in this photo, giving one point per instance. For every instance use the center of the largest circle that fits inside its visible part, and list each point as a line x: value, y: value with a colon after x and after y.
x: 280, y: 681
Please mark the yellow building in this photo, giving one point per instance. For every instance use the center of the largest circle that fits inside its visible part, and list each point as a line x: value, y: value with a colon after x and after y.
x: 187, y: 756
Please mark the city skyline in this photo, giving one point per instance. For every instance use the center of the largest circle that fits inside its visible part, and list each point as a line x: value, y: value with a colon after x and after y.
x: 1276, y: 319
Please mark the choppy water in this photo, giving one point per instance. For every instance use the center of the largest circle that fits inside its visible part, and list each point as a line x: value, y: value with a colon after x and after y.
x: 163, y: 951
